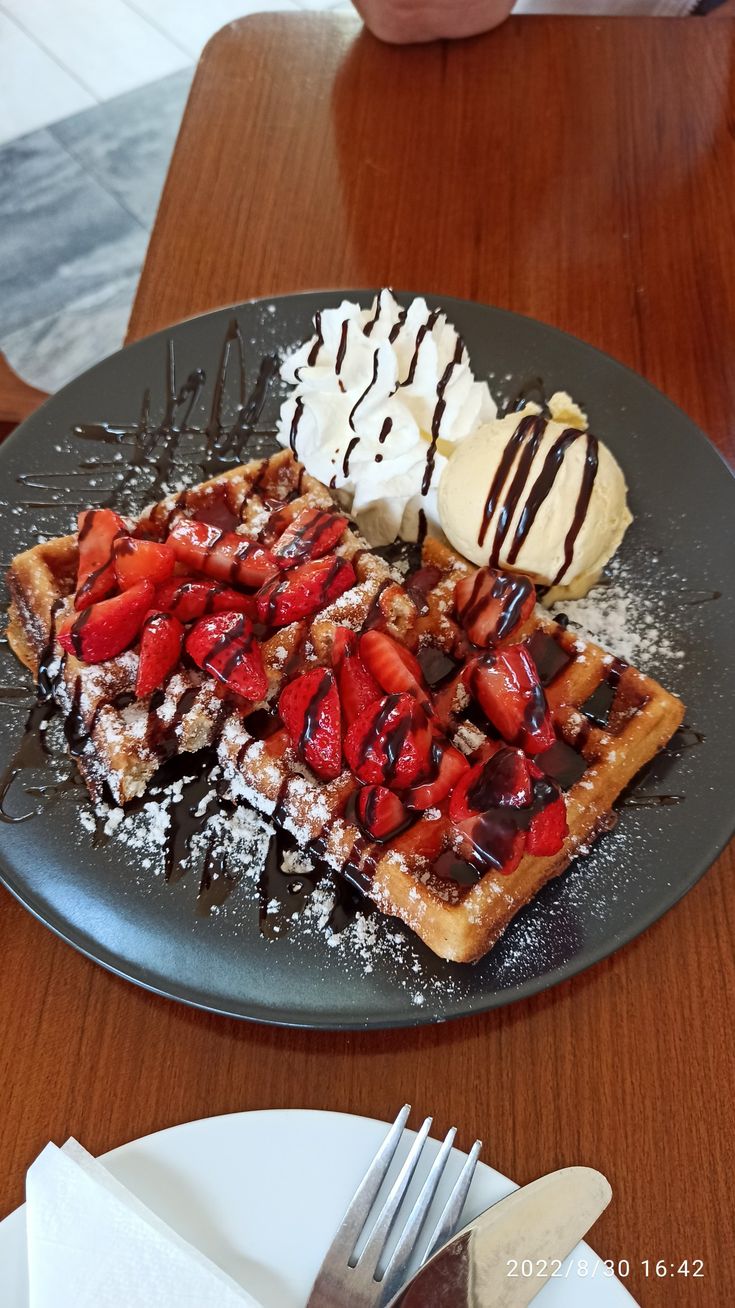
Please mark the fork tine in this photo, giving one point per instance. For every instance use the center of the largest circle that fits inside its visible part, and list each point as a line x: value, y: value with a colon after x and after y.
x: 395, y: 1272
x: 368, y: 1261
x: 449, y: 1220
x: 365, y: 1195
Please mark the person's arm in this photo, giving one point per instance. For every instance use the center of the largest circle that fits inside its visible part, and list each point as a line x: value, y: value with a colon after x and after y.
x: 404, y: 21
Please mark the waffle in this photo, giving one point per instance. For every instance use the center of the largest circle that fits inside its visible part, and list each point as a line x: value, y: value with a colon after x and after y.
x: 610, y: 719
x: 119, y: 743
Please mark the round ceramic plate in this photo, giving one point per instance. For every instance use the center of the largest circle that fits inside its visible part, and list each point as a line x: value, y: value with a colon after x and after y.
x: 672, y: 593
x: 262, y: 1195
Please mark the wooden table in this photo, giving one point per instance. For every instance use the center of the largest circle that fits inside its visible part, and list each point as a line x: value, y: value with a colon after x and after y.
x: 582, y: 171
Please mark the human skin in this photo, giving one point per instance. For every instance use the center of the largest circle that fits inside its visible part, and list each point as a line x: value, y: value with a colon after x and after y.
x: 404, y: 21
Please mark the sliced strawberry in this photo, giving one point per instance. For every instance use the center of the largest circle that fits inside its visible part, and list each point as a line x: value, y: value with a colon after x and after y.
x: 221, y: 554
x: 161, y: 638
x: 344, y: 642
x: 357, y: 688
x: 425, y: 839
x: 303, y: 591
x: 450, y: 767
x: 309, y: 707
x: 98, y: 530
x: 491, y: 604
x: 492, y: 840
x: 107, y: 628
x: 506, y: 686
x: 224, y: 645
x: 449, y: 700
x: 142, y: 560
x: 501, y: 781
x: 189, y: 598
x: 381, y: 814
x: 390, y: 742
x: 311, y: 534
x: 548, y: 828
x: 280, y: 514
x: 393, y: 666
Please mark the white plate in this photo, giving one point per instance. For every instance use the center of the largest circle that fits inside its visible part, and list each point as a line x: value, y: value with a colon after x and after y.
x: 262, y: 1194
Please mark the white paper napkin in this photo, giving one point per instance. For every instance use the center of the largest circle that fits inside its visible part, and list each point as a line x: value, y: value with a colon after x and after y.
x: 92, y: 1244
x: 659, y: 8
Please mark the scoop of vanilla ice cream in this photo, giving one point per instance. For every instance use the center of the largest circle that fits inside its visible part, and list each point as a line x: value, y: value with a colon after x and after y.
x: 549, y: 484
x: 369, y: 388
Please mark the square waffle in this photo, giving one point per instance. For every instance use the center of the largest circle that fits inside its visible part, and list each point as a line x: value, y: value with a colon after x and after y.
x: 118, y: 741
x: 609, y: 718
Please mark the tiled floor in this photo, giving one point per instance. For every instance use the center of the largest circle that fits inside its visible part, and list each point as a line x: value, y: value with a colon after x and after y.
x: 79, y: 190
x: 76, y: 53
x: 77, y: 201
x: 91, y: 96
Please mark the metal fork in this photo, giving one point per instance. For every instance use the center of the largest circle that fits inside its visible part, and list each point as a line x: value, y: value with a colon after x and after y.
x: 357, y: 1281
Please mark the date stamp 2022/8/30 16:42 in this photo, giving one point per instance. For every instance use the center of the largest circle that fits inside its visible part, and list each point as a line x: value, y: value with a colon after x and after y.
x: 658, y: 1269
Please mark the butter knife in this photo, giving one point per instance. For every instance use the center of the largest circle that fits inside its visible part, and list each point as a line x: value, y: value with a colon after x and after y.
x: 506, y: 1255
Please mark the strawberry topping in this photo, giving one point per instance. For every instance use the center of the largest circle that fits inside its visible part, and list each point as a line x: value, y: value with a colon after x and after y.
x: 505, y: 806
x: 505, y: 683
x: 142, y: 560
x: 501, y: 781
x: 449, y: 767
x: 303, y: 590
x: 310, y: 710
x: 375, y: 693
x: 548, y: 829
x: 224, y: 645
x: 393, y: 667
x: 492, y: 839
x: 107, y: 628
x: 221, y: 554
x: 189, y: 598
x: 390, y: 742
x: 491, y: 604
x: 357, y: 688
x: 380, y: 813
x: 98, y: 531
x: 312, y: 533
x: 161, y: 638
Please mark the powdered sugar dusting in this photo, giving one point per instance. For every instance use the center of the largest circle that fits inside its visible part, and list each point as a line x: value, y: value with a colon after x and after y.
x: 628, y: 618
x: 307, y: 905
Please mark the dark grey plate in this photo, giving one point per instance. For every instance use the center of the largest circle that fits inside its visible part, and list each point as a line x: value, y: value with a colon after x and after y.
x: 681, y: 548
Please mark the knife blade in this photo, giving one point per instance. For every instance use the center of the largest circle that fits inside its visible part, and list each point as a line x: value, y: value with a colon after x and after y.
x: 530, y: 1228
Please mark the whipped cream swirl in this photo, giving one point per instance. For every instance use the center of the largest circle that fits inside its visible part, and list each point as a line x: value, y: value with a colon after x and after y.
x: 380, y: 397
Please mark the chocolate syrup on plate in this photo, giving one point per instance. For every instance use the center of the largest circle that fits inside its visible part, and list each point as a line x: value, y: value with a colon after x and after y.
x: 634, y: 800
x: 152, y: 445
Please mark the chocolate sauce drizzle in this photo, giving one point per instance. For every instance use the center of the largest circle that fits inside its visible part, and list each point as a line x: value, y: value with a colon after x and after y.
x: 527, y: 438
x: 438, y: 414
x: 153, y: 445
x: 423, y: 331
x: 341, y: 348
x: 313, y: 354
x: 363, y: 396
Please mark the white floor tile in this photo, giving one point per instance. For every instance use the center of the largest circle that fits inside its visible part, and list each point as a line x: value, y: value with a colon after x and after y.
x: 34, y: 90
x: 107, y: 46
x: 191, y: 22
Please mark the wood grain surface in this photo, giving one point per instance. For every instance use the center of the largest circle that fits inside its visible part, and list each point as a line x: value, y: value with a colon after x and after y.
x: 582, y: 171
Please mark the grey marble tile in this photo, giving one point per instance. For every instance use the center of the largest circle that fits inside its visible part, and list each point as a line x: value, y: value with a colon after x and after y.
x: 49, y: 352
x: 126, y: 143
x: 64, y: 236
